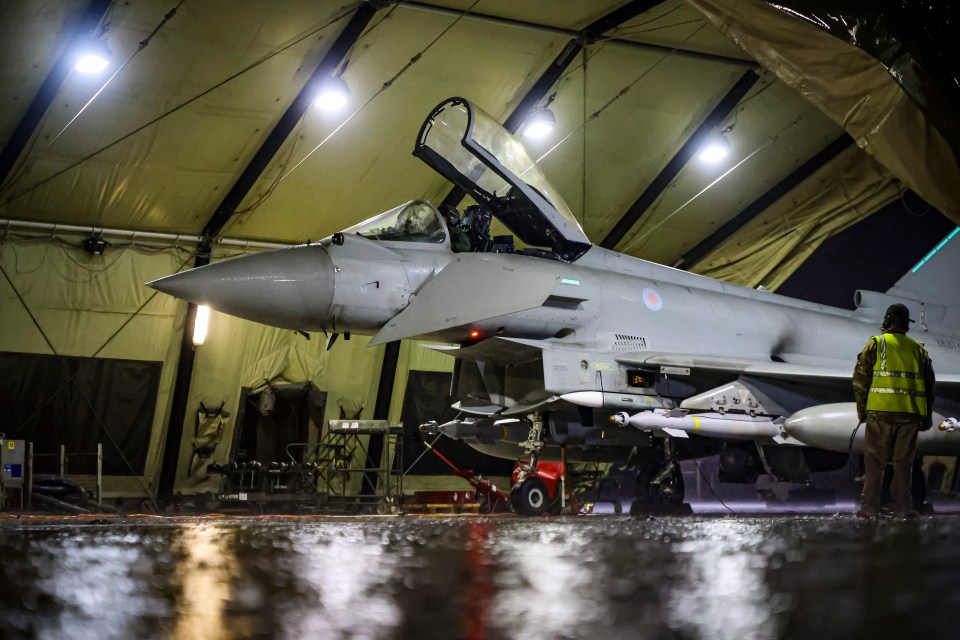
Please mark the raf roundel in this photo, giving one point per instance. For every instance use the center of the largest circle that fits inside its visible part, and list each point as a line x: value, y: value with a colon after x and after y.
x: 652, y: 299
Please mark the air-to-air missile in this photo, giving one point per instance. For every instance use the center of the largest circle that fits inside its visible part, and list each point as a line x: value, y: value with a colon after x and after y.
x: 559, y: 335
x: 680, y: 423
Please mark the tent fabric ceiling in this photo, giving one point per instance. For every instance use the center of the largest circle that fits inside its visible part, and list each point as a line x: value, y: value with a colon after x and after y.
x: 562, y: 14
x: 172, y: 175
x: 31, y: 33
x: 859, y: 94
x: 770, y: 247
x: 665, y: 25
x: 367, y: 166
x: 774, y: 133
x: 627, y: 145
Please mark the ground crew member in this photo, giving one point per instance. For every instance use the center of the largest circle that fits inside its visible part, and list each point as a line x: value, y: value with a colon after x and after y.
x: 893, y: 386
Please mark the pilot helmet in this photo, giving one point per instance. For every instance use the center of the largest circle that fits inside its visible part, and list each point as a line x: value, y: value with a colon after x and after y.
x: 450, y: 214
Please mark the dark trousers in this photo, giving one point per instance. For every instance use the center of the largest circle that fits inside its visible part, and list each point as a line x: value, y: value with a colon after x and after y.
x: 889, y: 437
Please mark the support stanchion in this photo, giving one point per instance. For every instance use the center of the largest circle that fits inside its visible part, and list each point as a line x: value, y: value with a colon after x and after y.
x: 99, y: 473
x: 28, y: 502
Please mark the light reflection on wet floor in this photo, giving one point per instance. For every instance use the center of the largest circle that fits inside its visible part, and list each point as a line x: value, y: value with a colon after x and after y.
x: 598, y: 577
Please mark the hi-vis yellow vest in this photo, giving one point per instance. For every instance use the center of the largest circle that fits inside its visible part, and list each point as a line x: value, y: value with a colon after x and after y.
x: 898, y: 383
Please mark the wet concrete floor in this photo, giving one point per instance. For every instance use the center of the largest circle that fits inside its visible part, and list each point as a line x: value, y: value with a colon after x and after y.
x: 738, y: 577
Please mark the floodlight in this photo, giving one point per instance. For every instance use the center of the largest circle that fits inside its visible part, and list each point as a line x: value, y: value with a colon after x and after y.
x: 714, y: 149
x: 92, y: 56
x: 539, y: 123
x: 333, y: 94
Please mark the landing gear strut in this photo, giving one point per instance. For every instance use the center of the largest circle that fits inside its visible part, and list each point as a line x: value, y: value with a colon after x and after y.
x: 535, y: 489
x: 659, y: 487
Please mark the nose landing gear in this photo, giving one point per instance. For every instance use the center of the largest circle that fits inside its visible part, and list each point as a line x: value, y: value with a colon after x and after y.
x: 537, y: 487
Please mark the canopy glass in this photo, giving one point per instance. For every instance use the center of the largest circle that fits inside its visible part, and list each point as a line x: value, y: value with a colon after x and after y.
x: 471, y: 149
x: 415, y: 221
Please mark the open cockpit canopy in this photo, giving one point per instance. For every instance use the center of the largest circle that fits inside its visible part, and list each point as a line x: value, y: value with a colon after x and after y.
x: 468, y: 147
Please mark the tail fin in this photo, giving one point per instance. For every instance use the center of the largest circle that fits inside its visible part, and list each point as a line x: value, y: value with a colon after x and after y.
x: 935, y: 282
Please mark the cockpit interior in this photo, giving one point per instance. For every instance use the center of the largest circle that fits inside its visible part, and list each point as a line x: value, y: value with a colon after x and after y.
x: 469, y: 231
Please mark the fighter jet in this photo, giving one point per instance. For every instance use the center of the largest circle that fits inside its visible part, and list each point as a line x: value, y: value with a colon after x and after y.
x: 568, y: 350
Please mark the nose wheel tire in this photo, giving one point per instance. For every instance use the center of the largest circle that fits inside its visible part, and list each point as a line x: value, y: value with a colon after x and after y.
x: 530, y: 497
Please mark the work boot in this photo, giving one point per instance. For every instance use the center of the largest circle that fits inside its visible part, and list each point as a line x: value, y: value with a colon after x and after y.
x: 867, y: 512
x: 906, y: 515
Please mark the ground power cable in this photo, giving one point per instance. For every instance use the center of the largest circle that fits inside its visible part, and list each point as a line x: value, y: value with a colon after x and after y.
x: 710, y: 486
x: 850, y: 449
x: 852, y: 436
x: 176, y: 108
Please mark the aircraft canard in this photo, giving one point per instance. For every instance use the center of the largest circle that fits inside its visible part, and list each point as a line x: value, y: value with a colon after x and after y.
x: 484, y: 286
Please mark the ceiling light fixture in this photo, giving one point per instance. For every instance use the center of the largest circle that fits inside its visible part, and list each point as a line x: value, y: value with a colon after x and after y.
x: 715, y: 149
x: 539, y: 123
x: 333, y: 94
x: 93, y: 56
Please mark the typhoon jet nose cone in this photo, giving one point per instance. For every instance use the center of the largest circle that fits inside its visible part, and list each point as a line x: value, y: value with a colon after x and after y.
x: 288, y: 288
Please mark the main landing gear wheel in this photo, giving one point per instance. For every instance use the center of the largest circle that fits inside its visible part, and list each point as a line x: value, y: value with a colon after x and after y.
x: 644, y: 497
x: 530, y: 497
x: 671, y: 488
x: 659, y: 488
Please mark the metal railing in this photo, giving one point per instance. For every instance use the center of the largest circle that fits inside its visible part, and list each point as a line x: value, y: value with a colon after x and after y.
x: 68, y: 465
